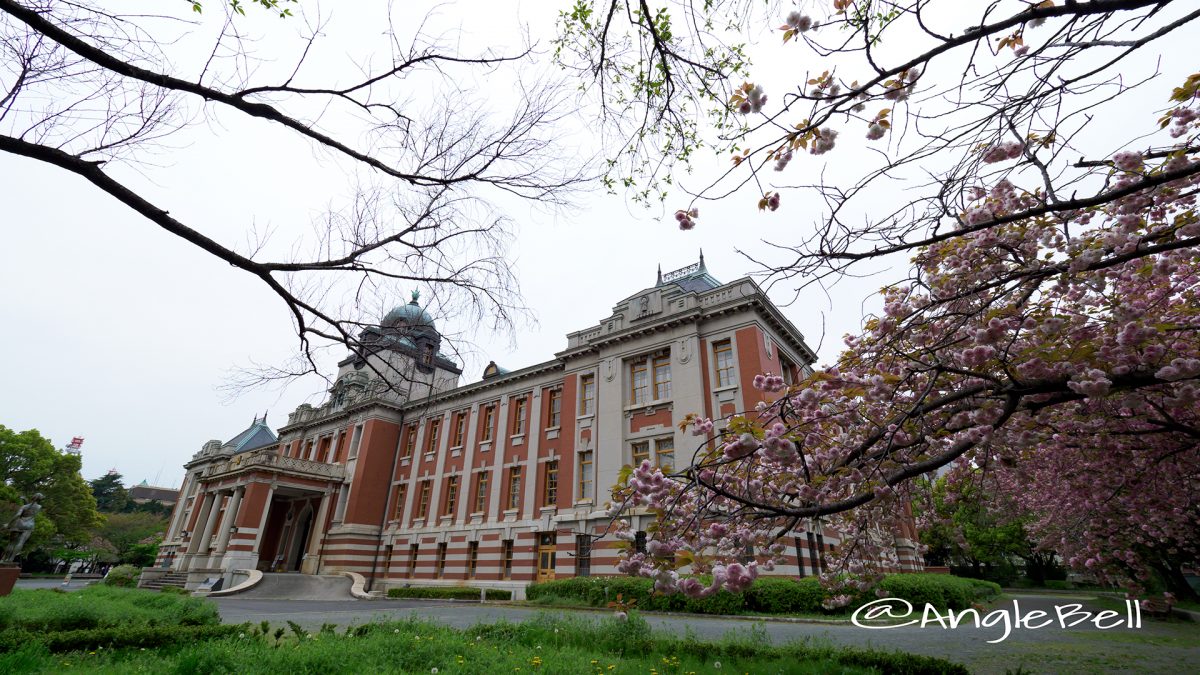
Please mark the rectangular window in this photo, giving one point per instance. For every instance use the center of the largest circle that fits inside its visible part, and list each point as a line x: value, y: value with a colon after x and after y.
x: 514, y: 488
x: 662, y: 377
x: 401, y: 493
x: 435, y: 426
x: 451, y: 495
x: 460, y: 430
x: 481, y: 492
x: 413, y: 550
x: 812, y: 553
x: 423, y: 502
x: 554, y: 405
x: 821, y: 551
x: 723, y: 358
x: 518, y: 426
x: 506, y: 557
x: 639, y: 541
x: 585, y: 475
x: 583, y: 555
x: 550, y: 493
x: 587, y: 394
x: 664, y: 453
x: 441, y: 561
x: 747, y: 555
x: 641, y: 451
x: 800, y: 557
x: 639, y: 381
x: 472, y: 559
x: 489, y: 421
x: 787, y: 370
x: 355, y: 441
x: 410, y: 441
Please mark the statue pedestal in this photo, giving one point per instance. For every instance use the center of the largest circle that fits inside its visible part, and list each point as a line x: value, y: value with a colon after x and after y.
x: 8, y: 578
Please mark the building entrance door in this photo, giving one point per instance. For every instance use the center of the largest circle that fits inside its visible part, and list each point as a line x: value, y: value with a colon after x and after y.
x: 546, y: 557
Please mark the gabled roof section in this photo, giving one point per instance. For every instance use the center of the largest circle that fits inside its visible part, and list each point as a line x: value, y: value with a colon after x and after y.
x: 692, y: 279
x: 256, y: 436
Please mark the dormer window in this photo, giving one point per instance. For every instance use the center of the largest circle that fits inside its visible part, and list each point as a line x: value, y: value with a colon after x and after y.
x: 427, y: 355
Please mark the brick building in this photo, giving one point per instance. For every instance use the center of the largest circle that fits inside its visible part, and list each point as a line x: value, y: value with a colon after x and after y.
x: 407, y: 476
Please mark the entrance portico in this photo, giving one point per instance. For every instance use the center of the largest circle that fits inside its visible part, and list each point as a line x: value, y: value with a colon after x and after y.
x: 258, y: 510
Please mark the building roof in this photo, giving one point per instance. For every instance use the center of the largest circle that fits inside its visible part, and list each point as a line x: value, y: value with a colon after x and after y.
x: 692, y: 279
x: 256, y: 436
x: 146, y: 492
x: 411, y: 314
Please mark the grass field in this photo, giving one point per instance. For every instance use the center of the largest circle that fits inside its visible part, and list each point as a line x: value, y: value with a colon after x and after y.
x: 133, y: 631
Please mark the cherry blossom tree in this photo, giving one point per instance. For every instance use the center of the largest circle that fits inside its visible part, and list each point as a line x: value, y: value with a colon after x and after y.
x: 1046, y: 335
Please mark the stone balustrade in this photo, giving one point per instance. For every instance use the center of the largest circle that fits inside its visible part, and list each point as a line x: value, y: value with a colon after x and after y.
x: 268, y: 458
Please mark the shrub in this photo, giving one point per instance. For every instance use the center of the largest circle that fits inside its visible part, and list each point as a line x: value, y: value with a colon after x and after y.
x: 447, y: 593
x: 768, y: 595
x: 125, y: 576
x: 114, y: 637
x: 782, y: 596
x: 1059, y: 585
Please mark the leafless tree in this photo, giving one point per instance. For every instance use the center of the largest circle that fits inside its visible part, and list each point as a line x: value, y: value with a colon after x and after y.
x: 88, y: 89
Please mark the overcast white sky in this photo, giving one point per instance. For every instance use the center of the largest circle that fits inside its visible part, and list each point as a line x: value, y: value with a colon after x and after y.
x: 117, y: 331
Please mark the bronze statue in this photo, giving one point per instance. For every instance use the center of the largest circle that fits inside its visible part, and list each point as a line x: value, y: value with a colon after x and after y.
x: 20, y: 527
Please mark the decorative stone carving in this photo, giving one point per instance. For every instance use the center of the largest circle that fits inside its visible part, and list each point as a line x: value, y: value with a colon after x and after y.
x: 21, y: 526
x: 686, y: 349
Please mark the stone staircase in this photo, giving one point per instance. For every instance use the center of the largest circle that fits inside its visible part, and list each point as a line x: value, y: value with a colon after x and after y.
x: 173, y: 579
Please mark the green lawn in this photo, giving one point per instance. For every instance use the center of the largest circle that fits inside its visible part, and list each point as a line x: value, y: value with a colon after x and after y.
x: 101, y: 606
x: 157, y: 641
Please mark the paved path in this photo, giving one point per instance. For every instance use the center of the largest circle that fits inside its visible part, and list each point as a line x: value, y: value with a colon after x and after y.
x: 74, y: 585
x: 1156, y: 647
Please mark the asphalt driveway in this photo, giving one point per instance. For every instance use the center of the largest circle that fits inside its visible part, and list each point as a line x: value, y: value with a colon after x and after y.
x: 1154, y: 647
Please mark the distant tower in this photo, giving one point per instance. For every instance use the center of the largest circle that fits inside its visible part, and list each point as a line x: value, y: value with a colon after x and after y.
x: 74, y: 446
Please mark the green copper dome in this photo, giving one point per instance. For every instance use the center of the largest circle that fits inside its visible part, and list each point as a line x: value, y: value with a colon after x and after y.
x: 408, y: 315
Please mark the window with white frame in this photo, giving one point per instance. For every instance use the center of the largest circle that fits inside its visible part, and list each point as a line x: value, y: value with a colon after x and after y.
x: 355, y: 441
x: 586, y: 477
x: 587, y: 394
x: 723, y: 361
x: 659, y: 452
x: 650, y: 379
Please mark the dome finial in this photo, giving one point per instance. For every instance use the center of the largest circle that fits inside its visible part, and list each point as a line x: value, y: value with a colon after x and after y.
x: 416, y: 295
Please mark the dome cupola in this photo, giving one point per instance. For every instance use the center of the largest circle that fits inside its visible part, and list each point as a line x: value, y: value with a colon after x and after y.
x: 411, y: 315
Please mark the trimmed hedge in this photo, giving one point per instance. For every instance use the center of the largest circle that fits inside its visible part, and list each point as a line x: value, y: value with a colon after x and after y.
x: 124, y: 576
x: 767, y: 595
x: 114, y: 638
x: 447, y: 593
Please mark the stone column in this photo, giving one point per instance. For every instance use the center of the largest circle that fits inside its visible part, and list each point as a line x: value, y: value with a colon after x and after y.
x: 205, y: 508
x: 312, y: 561
x: 262, y: 521
x: 228, y: 521
x: 179, y: 515
x: 211, y: 524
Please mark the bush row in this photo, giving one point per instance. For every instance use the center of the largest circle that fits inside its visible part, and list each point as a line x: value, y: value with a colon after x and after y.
x: 767, y: 595
x: 114, y: 637
x: 447, y: 593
